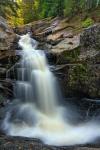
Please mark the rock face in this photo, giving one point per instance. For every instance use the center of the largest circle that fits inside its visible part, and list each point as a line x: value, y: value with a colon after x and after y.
x: 90, y: 42
x: 7, y: 37
x: 82, y: 75
x: 67, y: 44
x: 7, y: 55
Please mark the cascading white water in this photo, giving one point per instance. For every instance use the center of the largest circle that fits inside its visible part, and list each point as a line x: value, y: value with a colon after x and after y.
x: 37, y: 112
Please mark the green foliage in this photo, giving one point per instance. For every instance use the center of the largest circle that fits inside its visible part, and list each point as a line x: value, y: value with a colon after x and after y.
x: 92, y: 4
x: 31, y: 10
x: 8, y: 8
x: 88, y: 22
x: 68, y: 7
x: 51, y: 8
x: 73, y: 7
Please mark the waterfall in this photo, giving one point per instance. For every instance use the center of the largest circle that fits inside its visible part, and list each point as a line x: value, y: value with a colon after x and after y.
x: 40, y: 84
x: 36, y: 111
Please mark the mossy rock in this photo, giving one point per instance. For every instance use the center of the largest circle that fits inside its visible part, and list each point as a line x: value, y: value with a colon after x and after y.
x: 78, y: 73
x: 68, y: 56
x: 84, y: 77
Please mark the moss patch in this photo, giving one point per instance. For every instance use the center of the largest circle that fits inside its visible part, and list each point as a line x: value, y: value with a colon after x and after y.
x: 70, y: 56
x: 79, y: 74
x: 87, y: 22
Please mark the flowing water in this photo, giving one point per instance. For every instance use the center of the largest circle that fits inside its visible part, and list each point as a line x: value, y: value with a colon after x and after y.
x: 37, y: 112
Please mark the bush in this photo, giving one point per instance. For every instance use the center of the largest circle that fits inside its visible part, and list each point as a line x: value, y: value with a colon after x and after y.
x: 88, y: 22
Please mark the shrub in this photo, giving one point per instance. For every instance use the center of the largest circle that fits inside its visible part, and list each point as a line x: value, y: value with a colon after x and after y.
x: 87, y: 22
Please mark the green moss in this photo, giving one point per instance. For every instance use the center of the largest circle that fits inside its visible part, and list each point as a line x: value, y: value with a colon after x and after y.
x: 78, y: 74
x: 87, y: 22
x: 72, y: 56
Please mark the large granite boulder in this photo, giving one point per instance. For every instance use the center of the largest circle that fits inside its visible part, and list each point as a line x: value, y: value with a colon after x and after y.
x: 81, y: 75
x: 90, y: 42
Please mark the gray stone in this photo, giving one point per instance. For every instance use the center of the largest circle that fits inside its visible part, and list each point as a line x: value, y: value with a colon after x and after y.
x: 67, y: 44
x: 90, y: 42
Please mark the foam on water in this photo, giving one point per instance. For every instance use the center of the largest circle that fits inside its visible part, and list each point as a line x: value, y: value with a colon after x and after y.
x: 37, y: 113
